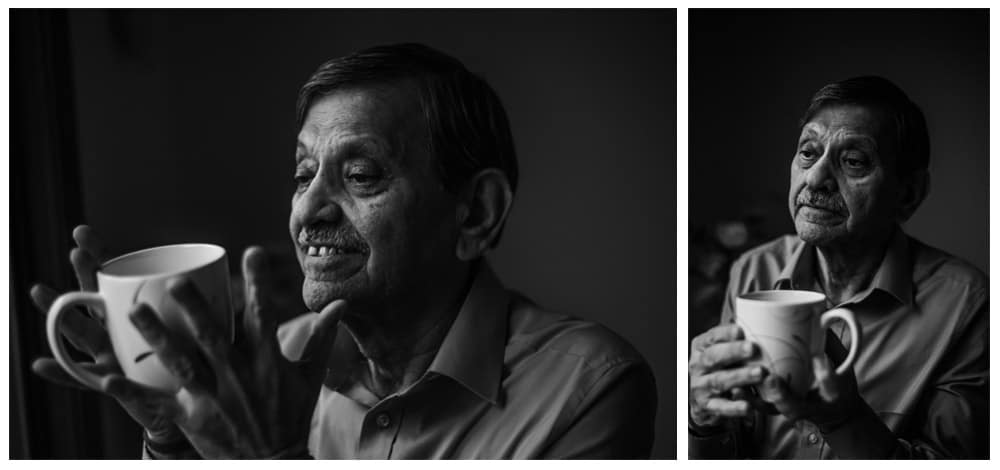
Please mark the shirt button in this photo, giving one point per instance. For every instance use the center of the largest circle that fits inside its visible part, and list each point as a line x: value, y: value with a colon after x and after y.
x: 813, y: 438
x: 383, y: 420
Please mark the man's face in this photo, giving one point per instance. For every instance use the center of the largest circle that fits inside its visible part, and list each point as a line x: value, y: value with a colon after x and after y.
x: 843, y: 188
x: 370, y: 220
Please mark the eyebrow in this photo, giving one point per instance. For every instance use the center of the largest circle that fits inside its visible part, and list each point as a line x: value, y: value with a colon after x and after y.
x: 807, y: 134
x: 301, y: 152
x: 352, y: 146
x: 865, y: 142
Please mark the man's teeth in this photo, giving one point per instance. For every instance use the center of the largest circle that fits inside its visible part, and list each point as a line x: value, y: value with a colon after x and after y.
x: 323, y: 251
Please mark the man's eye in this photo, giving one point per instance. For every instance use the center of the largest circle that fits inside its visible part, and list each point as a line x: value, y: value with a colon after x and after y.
x: 854, y: 161
x: 362, y: 178
x: 807, y: 154
x: 302, y: 180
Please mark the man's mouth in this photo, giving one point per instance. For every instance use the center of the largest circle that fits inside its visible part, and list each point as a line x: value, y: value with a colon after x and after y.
x: 320, y: 251
x: 328, y: 250
x: 821, y: 208
x: 820, y: 215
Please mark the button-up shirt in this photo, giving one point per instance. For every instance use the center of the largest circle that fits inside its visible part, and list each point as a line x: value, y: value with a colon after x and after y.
x: 923, y: 362
x: 510, y: 380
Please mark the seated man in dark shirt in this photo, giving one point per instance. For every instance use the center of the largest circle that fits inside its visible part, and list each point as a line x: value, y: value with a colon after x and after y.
x: 920, y: 382
x: 406, y: 172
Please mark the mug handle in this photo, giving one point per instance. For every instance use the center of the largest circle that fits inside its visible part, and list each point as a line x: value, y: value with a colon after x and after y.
x: 56, y: 311
x: 848, y: 317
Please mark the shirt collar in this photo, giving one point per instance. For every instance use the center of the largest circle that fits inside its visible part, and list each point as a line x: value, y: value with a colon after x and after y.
x: 471, y: 353
x: 892, y: 277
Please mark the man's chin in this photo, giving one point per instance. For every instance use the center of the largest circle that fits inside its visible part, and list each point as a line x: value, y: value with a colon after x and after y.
x: 318, y: 294
x: 818, y: 234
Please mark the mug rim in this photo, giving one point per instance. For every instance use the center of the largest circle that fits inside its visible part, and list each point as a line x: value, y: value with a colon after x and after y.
x: 811, y: 297
x: 220, y: 253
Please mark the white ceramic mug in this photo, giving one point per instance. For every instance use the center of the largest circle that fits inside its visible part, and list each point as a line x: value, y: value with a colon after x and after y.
x: 789, y: 327
x: 137, y: 277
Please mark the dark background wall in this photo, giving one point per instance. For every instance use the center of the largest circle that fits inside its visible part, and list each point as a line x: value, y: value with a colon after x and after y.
x: 752, y: 74
x: 186, y: 132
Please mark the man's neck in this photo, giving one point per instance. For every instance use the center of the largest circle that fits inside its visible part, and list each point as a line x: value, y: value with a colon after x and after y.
x: 399, y: 347
x: 849, y: 268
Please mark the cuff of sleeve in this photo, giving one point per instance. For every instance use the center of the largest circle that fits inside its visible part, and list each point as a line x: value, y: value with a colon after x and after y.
x: 710, y: 442
x: 172, y: 450
x: 718, y: 446
x: 697, y: 430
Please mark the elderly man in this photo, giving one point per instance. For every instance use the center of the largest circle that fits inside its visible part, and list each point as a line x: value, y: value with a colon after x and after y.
x: 919, y: 385
x: 405, y: 172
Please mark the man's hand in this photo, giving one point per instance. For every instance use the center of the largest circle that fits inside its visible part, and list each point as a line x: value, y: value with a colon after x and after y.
x: 237, y: 401
x: 717, y: 376
x: 88, y: 336
x: 827, y: 406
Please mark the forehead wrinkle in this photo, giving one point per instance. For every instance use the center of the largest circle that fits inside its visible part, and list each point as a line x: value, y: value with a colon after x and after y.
x: 845, y: 136
x: 371, y: 114
x: 344, y: 144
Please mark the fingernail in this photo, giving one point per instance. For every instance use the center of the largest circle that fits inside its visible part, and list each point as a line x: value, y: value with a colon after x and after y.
x: 748, y: 348
x: 756, y: 373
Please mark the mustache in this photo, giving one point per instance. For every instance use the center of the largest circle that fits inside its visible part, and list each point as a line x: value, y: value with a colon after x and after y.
x: 344, y: 238
x: 827, y: 201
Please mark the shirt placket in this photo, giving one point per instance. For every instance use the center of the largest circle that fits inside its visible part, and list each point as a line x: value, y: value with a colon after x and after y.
x: 379, y: 430
x: 810, y: 441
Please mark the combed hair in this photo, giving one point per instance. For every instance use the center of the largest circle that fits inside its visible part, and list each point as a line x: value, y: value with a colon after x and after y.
x: 466, y: 121
x: 908, y: 120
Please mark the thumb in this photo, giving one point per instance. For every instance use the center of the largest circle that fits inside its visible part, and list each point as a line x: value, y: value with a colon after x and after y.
x: 321, y: 337
x: 775, y: 390
x: 825, y: 379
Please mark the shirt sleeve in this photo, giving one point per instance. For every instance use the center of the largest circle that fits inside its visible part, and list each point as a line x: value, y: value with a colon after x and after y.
x: 616, y: 420
x: 956, y: 424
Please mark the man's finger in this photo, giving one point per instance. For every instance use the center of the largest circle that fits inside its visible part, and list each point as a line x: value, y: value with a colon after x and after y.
x: 179, y: 358
x: 43, y: 297
x: 81, y: 331
x: 775, y: 391
x: 727, y: 408
x: 723, y: 380
x: 85, y: 267
x: 725, y: 354
x: 321, y: 337
x: 87, y: 239
x: 829, y: 390
x: 718, y: 334
x: 49, y: 369
x: 149, y: 402
x: 198, y: 316
x: 259, y: 320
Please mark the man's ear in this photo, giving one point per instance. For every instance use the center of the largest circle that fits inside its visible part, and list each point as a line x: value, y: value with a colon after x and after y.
x: 482, y: 210
x: 915, y: 190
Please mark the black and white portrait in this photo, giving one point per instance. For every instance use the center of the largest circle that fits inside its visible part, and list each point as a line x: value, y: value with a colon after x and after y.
x: 343, y: 234
x: 838, y: 298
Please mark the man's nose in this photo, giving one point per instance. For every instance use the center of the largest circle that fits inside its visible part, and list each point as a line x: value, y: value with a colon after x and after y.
x: 318, y: 204
x: 821, y: 175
